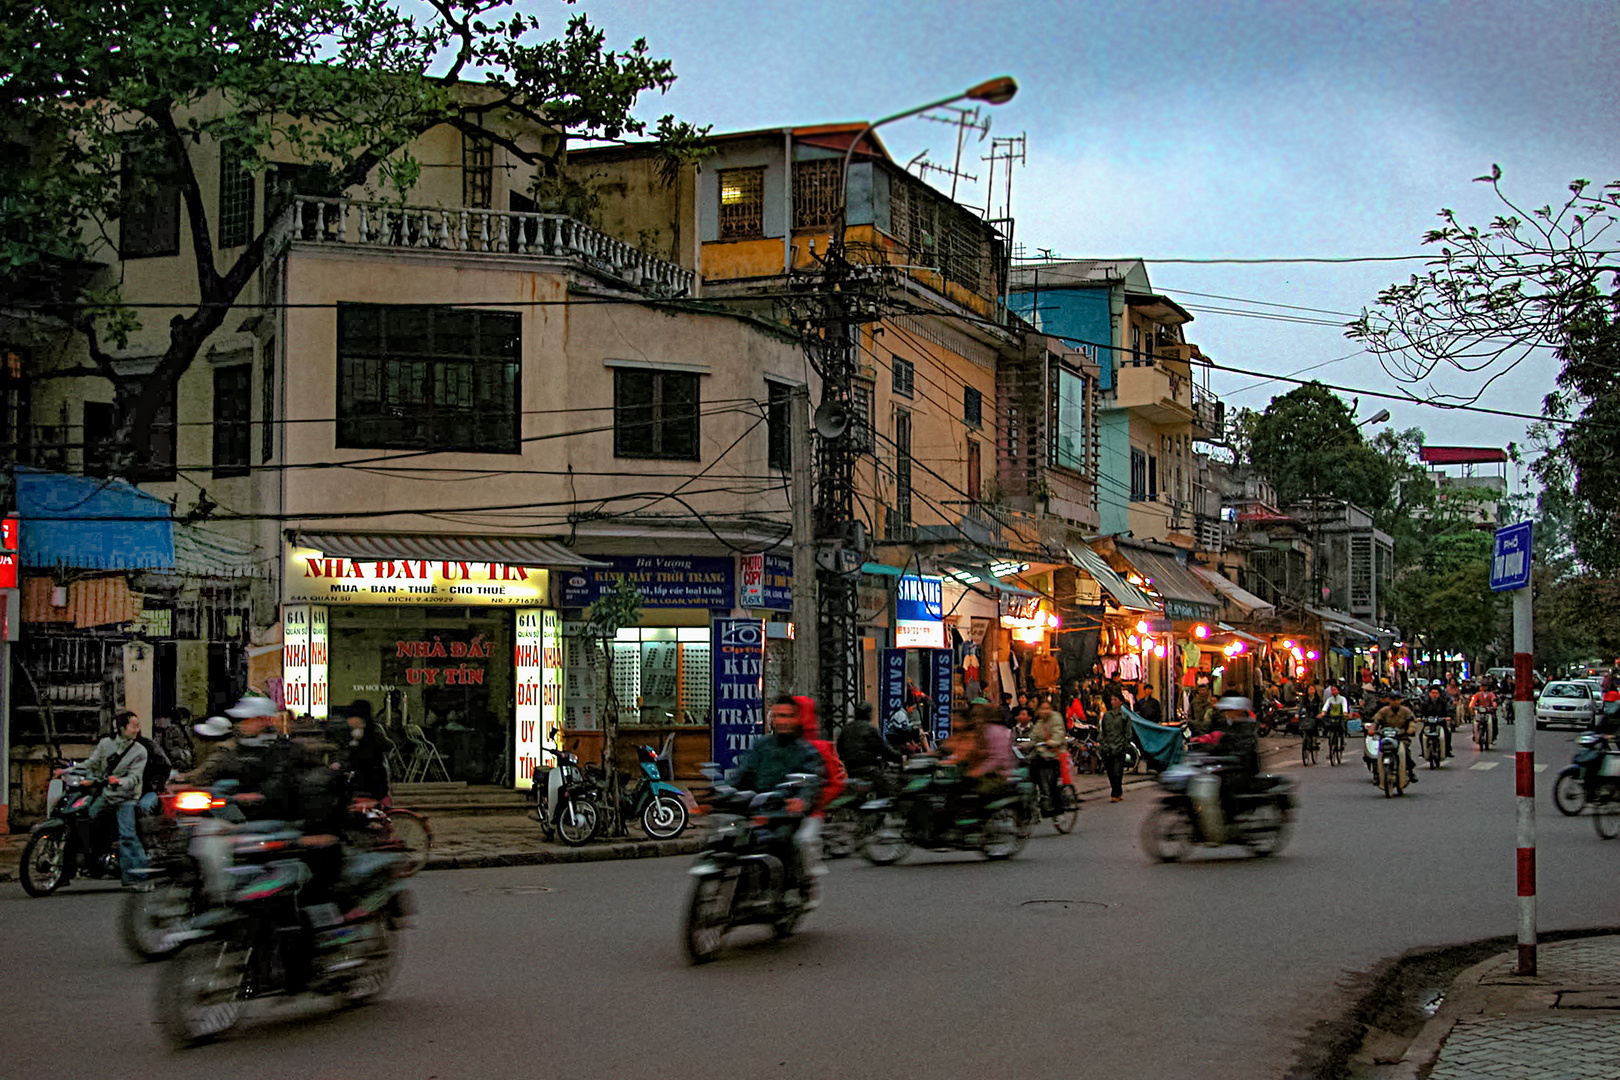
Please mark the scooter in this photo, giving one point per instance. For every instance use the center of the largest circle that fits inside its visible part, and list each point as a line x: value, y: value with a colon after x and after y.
x: 1191, y: 811
x: 659, y: 805
x: 1579, y: 781
x: 1434, y: 740
x: 568, y: 807
x: 55, y: 854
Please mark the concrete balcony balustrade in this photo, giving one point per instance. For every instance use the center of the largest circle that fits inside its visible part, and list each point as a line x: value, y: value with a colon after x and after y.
x: 1154, y: 390
x: 462, y: 230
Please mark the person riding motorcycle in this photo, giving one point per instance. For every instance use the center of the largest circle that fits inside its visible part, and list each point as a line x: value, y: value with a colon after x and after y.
x: 862, y: 749
x: 120, y: 760
x: 1436, y: 705
x: 1396, y: 715
x: 771, y: 761
x: 1239, y: 748
x: 1048, y: 738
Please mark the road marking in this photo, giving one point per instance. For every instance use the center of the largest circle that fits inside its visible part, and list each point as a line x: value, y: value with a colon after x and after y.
x: 1482, y: 766
x: 1542, y: 768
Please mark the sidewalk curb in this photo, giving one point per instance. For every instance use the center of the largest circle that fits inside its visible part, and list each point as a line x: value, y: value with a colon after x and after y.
x: 1463, y: 998
x: 650, y: 849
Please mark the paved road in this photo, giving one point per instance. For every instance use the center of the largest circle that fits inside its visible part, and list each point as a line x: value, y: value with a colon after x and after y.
x: 940, y: 967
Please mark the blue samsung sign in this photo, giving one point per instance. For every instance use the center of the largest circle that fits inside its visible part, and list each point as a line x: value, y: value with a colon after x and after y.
x: 919, y: 599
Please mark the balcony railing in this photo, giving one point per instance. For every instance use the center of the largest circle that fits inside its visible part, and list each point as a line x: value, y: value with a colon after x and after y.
x: 510, y: 233
x: 1209, y: 412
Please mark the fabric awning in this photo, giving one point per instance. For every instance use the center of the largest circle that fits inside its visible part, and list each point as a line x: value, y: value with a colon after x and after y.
x: 511, y: 550
x: 973, y: 577
x: 1242, y: 597
x: 881, y: 569
x: 1185, y: 595
x: 1124, y: 593
x: 1241, y: 634
x: 80, y: 522
x: 1344, y: 623
x: 201, y: 552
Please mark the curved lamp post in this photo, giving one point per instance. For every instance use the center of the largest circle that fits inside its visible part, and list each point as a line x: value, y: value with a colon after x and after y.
x: 997, y: 91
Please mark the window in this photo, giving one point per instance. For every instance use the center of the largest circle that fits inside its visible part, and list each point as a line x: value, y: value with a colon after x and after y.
x: 16, y: 398
x: 974, y: 482
x: 902, y: 467
x: 779, y: 423
x: 235, y: 198
x: 655, y: 414
x: 477, y: 171
x: 1139, y: 475
x: 148, y: 457
x: 860, y: 428
x: 972, y: 406
x: 1071, y: 435
x: 427, y: 378
x: 267, y: 403
x: 1153, y: 478
x: 149, y: 198
x: 233, y: 418
x: 817, y: 193
x: 905, y: 376
x: 742, y: 203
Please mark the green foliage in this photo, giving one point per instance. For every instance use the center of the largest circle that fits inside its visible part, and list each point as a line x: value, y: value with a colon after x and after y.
x: 343, y: 87
x: 1445, y: 601
x: 1308, y: 445
x: 1580, y: 470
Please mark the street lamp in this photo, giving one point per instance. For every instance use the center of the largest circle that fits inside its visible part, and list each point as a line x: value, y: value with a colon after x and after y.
x: 1379, y: 417
x: 997, y: 91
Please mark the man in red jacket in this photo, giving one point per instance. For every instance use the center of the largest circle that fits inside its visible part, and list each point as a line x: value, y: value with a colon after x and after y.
x: 809, y: 835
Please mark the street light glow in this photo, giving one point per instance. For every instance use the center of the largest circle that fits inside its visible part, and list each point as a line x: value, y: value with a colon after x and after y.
x: 997, y: 91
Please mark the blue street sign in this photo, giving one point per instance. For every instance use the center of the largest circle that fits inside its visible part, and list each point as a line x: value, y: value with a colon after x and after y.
x: 1510, y: 563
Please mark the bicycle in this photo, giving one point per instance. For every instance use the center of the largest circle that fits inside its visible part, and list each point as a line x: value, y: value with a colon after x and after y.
x: 405, y: 832
x: 1307, y: 744
x: 1482, y: 730
x: 1335, y: 741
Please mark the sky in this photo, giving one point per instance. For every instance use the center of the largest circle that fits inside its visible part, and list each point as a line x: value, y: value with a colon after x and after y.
x: 1185, y: 130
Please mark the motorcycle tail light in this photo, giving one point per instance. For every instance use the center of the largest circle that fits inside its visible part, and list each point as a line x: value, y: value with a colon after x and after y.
x: 762, y: 820
x: 196, y: 802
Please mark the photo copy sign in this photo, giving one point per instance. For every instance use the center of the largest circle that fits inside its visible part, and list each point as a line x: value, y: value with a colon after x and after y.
x: 739, y: 687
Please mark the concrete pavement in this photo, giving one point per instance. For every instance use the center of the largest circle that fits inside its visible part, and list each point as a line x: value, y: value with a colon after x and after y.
x: 1563, y: 1023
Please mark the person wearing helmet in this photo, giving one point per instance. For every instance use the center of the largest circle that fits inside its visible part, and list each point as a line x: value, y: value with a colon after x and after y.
x: 1239, y: 749
x: 1396, y: 715
x: 1436, y: 704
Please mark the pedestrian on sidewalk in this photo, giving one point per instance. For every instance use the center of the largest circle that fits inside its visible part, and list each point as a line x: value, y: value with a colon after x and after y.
x: 1116, y: 735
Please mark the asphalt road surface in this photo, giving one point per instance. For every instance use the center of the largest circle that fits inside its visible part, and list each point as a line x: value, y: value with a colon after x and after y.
x: 943, y: 966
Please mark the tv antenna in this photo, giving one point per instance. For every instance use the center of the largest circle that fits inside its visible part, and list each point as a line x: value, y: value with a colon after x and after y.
x: 964, y: 120
x: 1006, y: 150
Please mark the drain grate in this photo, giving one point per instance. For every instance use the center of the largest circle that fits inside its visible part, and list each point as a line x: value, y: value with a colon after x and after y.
x: 506, y: 890
x: 1064, y: 907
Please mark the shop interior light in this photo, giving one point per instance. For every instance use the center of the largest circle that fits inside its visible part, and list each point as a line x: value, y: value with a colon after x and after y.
x: 1134, y: 641
x: 1298, y: 653
x: 1142, y: 627
x: 1311, y: 654
x: 1239, y: 648
x: 1218, y: 672
x: 1288, y: 643
x: 1159, y: 651
x: 1200, y: 631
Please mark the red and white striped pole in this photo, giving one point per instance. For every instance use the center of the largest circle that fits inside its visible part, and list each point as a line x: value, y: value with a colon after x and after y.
x: 1524, y: 745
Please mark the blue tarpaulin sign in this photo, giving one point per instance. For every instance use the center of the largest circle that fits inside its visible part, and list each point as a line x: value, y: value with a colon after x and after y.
x: 83, y: 522
x: 739, y: 687
x: 1510, y: 562
x: 891, y: 685
x: 693, y: 581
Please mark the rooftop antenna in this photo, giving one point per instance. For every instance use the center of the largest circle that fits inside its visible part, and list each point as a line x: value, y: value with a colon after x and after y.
x: 1007, y: 150
x: 964, y: 120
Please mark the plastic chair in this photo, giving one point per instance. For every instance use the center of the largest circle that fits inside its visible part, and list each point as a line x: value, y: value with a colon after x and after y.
x: 424, y: 757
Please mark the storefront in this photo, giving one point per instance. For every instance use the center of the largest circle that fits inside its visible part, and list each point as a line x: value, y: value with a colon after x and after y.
x: 1126, y: 617
x: 458, y: 658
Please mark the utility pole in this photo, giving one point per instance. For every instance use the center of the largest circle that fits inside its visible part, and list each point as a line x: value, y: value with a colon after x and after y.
x: 806, y: 643
x: 1510, y: 572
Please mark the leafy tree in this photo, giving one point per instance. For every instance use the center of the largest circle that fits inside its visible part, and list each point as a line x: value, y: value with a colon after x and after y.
x: 341, y: 86
x: 1445, y: 600
x: 613, y: 610
x: 1308, y: 445
x: 1580, y: 470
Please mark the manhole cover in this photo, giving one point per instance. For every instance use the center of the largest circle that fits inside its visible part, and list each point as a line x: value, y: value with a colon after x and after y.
x: 506, y: 890
x: 1063, y: 907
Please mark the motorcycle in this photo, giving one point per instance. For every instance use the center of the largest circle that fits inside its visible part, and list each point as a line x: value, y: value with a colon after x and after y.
x: 1191, y: 811
x: 1065, y: 815
x: 567, y: 800
x: 848, y: 825
x: 659, y: 805
x: 1578, y: 782
x: 926, y: 814
x: 1387, y: 761
x: 175, y: 887
x: 747, y: 870
x: 1277, y: 719
x: 265, y: 940
x: 1434, y: 740
x: 54, y: 854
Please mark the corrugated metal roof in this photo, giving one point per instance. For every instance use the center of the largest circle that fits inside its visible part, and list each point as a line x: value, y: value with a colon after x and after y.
x: 1170, y: 579
x: 512, y: 550
x: 1124, y: 593
x: 1240, y: 596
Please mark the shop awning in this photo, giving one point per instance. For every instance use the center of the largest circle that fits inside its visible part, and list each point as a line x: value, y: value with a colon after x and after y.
x: 1243, y: 635
x: 1185, y: 595
x: 511, y: 550
x: 881, y: 569
x: 1343, y: 622
x: 977, y: 577
x: 1242, y: 597
x: 1124, y: 593
x: 80, y: 522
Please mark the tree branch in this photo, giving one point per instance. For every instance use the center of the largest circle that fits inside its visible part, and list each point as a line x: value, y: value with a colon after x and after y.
x: 202, y: 247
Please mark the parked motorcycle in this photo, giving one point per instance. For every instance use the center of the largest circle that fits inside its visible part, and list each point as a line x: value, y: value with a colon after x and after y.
x: 1278, y: 720
x: 941, y: 810
x: 566, y: 799
x: 1434, y: 740
x: 1579, y: 781
x: 747, y: 870
x: 54, y: 854
x: 1191, y: 811
x: 266, y: 939
x: 659, y: 805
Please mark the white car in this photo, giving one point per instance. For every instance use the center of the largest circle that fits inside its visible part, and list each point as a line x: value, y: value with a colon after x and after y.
x: 1569, y: 703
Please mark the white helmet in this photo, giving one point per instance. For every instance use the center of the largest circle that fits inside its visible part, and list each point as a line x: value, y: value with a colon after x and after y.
x: 1234, y: 704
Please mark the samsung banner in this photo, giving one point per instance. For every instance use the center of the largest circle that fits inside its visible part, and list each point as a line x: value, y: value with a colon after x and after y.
x: 891, y: 686
x: 940, y: 692
x: 919, y: 612
x: 739, y: 687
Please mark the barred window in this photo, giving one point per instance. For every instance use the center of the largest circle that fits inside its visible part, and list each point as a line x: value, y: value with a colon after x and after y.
x: 235, y: 198
x: 426, y: 378
x: 818, y: 195
x: 233, y: 418
x: 905, y: 376
x: 860, y: 428
x: 477, y: 171
x: 742, y: 203
x: 972, y: 406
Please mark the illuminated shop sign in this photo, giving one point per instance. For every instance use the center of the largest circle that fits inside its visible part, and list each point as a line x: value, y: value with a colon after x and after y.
x: 919, y: 612
x: 314, y: 577
x: 295, y: 657
x: 538, y: 692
